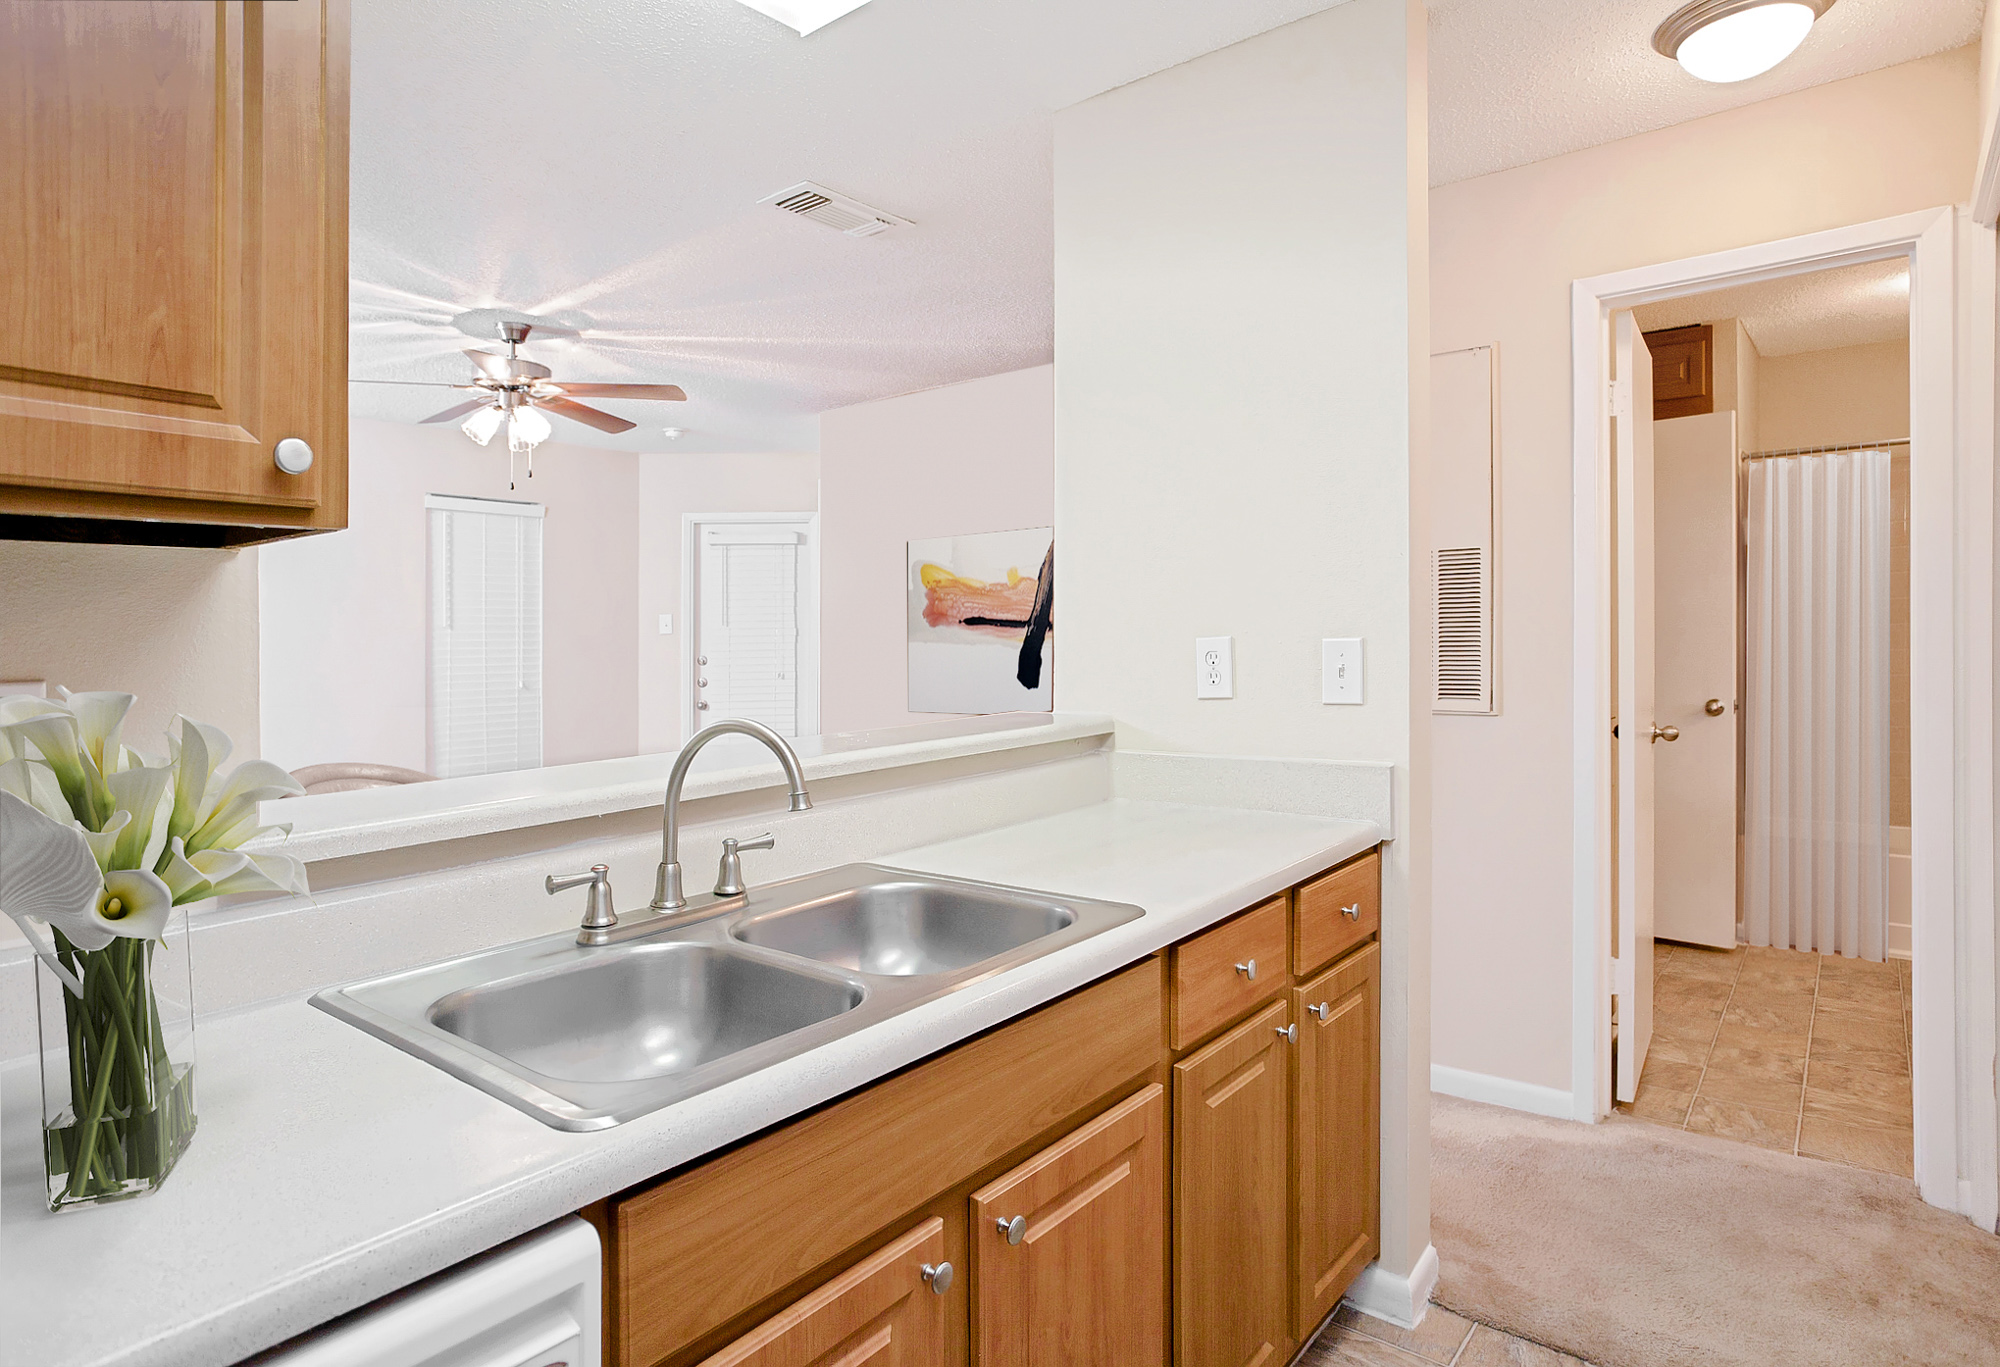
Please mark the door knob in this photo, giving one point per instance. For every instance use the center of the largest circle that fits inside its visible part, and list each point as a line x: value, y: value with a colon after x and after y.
x: 1714, y: 707
x: 939, y: 1276
x: 1248, y: 970
x: 1666, y: 733
x: 1288, y: 1033
x: 1013, y: 1230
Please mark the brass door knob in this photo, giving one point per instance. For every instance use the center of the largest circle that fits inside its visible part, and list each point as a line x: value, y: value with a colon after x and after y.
x: 1714, y: 707
x: 1667, y: 733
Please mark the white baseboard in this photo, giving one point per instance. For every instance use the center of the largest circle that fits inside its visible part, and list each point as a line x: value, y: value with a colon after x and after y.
x: 1503, y: 1091
x: 1401, y: 1301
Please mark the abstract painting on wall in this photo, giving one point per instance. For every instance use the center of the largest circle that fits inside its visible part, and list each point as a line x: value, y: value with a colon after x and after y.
x: 982, y: 615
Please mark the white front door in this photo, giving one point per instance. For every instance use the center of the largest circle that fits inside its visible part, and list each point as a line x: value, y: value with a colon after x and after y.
x: 1632, y: 450
x: 755, y: 650
x: 1694, y: 500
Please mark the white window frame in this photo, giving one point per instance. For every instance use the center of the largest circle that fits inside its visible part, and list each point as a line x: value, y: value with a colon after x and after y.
x: 490, y: 507
x: 808, y: 526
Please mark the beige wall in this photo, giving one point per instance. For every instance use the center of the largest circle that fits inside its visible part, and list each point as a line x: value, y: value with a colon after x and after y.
x: 1836, y: 397
x: 1239, y: 374
x: 176, y: 627
x: 1505, y: 249
x: 670, y: 487
x: 345, y: 653
x: 972, y: 457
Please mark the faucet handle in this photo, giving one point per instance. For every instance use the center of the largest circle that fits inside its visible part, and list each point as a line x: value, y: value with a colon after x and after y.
x: 729, y: 876
x: 599, y: 916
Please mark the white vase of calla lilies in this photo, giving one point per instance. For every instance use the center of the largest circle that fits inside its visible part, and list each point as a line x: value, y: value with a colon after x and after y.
x: 102, y: 849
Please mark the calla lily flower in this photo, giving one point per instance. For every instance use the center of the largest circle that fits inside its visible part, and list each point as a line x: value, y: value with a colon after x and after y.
x: 35, y: 784
x: 20, y: 708
x: 230, y: 871
x: 54, y: 738
x: 229, y: 817
x: 133, y: 903
x: 47, y: 874
x: 195, y: 754
x: 148, y: 794
x: 100, y: 718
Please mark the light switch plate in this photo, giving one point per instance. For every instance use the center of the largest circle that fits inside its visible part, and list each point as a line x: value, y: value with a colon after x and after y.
x: 1340, y: 670
x: 1214, y: 667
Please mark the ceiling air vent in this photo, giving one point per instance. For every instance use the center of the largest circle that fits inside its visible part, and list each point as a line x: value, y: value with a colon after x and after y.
x: 834, y: 209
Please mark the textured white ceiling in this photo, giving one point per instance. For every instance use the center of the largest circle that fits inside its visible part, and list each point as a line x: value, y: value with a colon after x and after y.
x: 1514, y: 81
x: 600, y: 162
x: 1846, y: 306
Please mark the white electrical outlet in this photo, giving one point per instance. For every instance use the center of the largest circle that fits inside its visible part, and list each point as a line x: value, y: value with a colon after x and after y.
x: 666, y: 624
x: 1340, y: 670
x: 1214, y: 668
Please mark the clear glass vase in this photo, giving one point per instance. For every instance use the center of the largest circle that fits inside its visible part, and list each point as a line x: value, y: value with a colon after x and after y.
x: 117, y: 1066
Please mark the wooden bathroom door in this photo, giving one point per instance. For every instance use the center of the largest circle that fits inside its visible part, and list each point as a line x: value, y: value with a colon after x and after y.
x: 1632, y: 476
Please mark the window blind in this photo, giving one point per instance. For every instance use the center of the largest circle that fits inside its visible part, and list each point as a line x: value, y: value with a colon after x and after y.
x: 486, y: 635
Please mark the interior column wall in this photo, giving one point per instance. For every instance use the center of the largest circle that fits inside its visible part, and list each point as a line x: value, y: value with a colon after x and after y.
x: 1240, y: 410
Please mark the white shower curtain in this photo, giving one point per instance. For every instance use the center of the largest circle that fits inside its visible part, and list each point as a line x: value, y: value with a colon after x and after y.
x: 1816, y: 710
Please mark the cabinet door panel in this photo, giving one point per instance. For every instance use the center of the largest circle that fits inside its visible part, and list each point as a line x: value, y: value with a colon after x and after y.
x: 175, y: 302
x: 879, y: 1313
x: 1337, y: 1132
x: 1086, y: 1284
x: 1232, y: 1114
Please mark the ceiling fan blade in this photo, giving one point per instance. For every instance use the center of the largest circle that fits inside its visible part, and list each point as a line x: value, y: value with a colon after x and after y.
x: 507, y: 367
x: 420, y: 384
x: 589, y: 417
x: 621, y: 391
x: 456, y: 411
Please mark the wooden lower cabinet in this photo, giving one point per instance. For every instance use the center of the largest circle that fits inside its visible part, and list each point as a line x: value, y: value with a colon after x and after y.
x: 1232, y: 1124
x: 1337, y: 1131
x: 883, y: 1312
x: 1069, y: 1249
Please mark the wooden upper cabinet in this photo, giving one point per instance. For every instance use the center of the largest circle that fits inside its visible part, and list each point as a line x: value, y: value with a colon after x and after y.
x: 174, y: 297
x: 1337, y: 1131
x: 1683, y: 371
x: 887, y: 1311
x: 1232, y: 1121
x: 1080, y: 1281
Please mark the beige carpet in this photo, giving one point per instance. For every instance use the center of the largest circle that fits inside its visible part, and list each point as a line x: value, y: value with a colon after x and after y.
x: 1633, y: 1245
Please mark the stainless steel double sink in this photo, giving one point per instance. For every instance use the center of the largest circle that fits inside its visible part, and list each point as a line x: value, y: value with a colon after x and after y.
x: 584, y: 1037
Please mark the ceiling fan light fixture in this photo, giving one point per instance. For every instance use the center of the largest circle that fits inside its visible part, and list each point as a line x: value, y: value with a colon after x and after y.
x: 1723, y: 41
x: 527, y: 429
x: 483, y: 424
x: 805, y: 16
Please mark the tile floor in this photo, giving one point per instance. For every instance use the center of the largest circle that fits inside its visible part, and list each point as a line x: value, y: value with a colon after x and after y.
x: 1442, y: 1340
x: 1805, y: 1053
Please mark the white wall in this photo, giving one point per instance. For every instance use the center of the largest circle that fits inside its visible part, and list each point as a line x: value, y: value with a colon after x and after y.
x: 1240, y: 351
x: 671, y: 486
x: 345, y: 649
x: 972, y: 457
x: 1505, y: 249
x: 177, y: 627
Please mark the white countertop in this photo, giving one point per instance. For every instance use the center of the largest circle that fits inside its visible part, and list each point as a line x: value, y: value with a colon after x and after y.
x: 331, y: 1168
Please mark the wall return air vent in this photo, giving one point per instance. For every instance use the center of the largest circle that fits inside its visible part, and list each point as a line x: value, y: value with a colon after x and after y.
x: 834, y: 210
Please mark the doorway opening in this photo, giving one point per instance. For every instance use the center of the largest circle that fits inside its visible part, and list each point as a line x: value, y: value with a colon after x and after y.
x: 750, y: 599
x: 1782, y: 890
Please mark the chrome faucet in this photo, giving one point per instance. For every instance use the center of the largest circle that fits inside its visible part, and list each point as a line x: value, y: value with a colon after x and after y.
x: 667, y: 894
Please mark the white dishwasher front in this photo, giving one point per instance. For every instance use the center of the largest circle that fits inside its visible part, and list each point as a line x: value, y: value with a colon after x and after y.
x: 531, y: 1303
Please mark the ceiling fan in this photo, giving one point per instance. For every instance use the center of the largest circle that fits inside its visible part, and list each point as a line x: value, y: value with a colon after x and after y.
x: 515, y: 393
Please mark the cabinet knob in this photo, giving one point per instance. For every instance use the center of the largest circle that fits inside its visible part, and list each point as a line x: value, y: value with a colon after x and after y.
x: 1248, y: 970
x: 939, y: 1276
x: 1352, y: 913
x: 1321, y: 1010
x: 1013, y: 1230
x: 1289, y: 1033
x: 293, y: 456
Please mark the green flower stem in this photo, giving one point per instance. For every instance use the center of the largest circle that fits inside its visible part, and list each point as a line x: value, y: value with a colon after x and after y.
x: 90, y: 1121
x: 121, y: 1015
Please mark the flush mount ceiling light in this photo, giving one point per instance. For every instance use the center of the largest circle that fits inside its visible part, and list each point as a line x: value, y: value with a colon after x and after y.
x: 805, y: 15
x: 1732, y: 40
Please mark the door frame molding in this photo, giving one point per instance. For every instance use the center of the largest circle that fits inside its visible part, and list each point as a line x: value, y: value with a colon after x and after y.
x: 1952, y: 771
x: 809, y: 645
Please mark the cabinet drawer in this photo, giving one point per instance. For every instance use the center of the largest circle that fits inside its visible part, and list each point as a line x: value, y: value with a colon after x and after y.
x: 1209, y: 989
x: 702, y: 1249
x: 1337, y: 912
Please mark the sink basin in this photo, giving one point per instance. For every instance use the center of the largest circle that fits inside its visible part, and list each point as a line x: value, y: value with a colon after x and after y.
x: 583, y: 1037
x: 907, y: 927
x: 656, y: 1009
